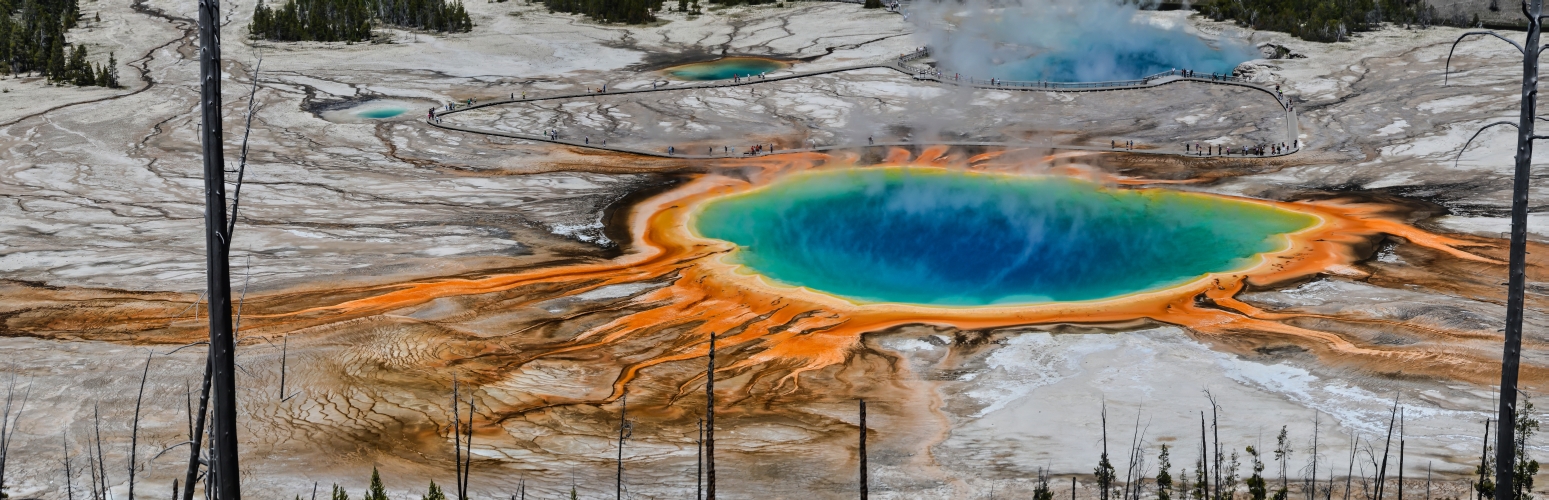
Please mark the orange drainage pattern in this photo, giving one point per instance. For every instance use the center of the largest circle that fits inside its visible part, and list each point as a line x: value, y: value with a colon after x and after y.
x: 786, y: 331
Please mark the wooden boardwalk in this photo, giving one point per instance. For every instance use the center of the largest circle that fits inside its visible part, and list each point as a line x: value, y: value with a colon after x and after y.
x: 902, y: 65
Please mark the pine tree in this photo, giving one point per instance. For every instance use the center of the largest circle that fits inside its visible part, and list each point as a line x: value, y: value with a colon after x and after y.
x: 86, y: 77
x: 1164, y: 477
x: 1105, y: 475
x: 1485, y: 486
x: 376, y: 491
x: 1526, y: 467
x: 77, y: 70
x: 1229, y: 480
x: 434, y: 493
x: 1201, y: 483
x: 56, y: 58
x: 112, y: 72
x: 6, y: 41
x: 1183, y: 483
x: 1256, y: 489
x: 1282, y: 456
x: 339, y: 494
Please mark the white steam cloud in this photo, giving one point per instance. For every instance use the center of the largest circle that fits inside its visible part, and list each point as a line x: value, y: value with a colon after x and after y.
x: 1064, y: 41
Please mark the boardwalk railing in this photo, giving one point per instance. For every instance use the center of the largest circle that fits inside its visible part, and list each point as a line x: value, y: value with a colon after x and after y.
x: 901, y: 63
x: 926, y: 72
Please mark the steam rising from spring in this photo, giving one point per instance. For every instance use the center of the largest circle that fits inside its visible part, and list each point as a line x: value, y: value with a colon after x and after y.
x: 1065, y: 41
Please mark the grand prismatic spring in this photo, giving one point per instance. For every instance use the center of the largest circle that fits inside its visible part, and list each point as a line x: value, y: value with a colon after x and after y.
x: 942, y: 237
x: 544, y: 220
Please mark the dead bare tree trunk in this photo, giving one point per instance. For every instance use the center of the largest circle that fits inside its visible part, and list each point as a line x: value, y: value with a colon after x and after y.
x: 8, y: 426
x: 457, y: 442
x: 1354, y: 438
x: 284, y: 350
x: 1204, y: 459
x: 196, y: 432
x: 91, y: 467
x: 64, y: 437
x: 1382, y: 472
x: 710, y: 421
x: 699, y: 463
x: 1484, y: 460
x: 625, y: 431
x: 1215, y: 429
x: 1401, y: 455
x: 1511, y: 353
x: 468, y: 443
x: 1132, y: 474
x: 134, y: 432
x: 225, y: 467
x: 1104, y: 477
x: 864, y: 493
x: 1312, y: 487
x: 5, y: 422
x: 102, y: 467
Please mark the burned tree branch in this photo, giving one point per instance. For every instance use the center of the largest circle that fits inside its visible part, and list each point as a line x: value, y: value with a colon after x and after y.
x: 1476, y: 136
x: 1448, y: 69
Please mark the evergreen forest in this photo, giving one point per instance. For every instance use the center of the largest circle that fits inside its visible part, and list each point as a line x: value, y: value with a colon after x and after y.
x: 1324, y: 20
x: 32, y: 40
x: 351, y: 20
x: 609, y: 11
x: 637, y: 11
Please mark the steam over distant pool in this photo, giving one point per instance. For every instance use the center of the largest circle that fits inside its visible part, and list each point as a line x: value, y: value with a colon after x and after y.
x: 951, y: 238
x: 1073, y: 41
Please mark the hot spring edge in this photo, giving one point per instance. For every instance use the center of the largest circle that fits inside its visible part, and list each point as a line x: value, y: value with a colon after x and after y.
x: 726, y: 68
x: 941, y: 237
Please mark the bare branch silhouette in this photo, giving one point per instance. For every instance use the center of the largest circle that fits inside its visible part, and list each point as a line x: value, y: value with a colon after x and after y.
x: 236, y: 192
x: 1476, y: 135
x: 1448, y: 70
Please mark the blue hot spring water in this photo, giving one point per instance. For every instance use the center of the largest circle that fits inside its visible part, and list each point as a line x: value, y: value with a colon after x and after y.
x: 950, y: 238
x: 379, y: 113
x: 726, y: 68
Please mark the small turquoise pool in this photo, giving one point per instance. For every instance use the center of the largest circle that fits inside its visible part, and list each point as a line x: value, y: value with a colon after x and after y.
x: 951, y: 238
x: 726, y: 68
x: 379, y: 113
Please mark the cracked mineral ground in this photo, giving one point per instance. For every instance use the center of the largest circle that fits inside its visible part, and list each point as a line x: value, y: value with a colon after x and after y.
x: 378, y: 255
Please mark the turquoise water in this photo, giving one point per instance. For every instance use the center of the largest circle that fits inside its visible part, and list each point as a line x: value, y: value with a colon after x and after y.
x: 947, y: 238
x: 380, y: 113
x: 724, y: 69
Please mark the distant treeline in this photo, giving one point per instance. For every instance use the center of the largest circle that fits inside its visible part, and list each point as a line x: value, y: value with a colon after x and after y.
x: 32, y: 40
x: 609, y: 11
x: 636, y: 11
x: 351, y: 20
x: 1325, y: 20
